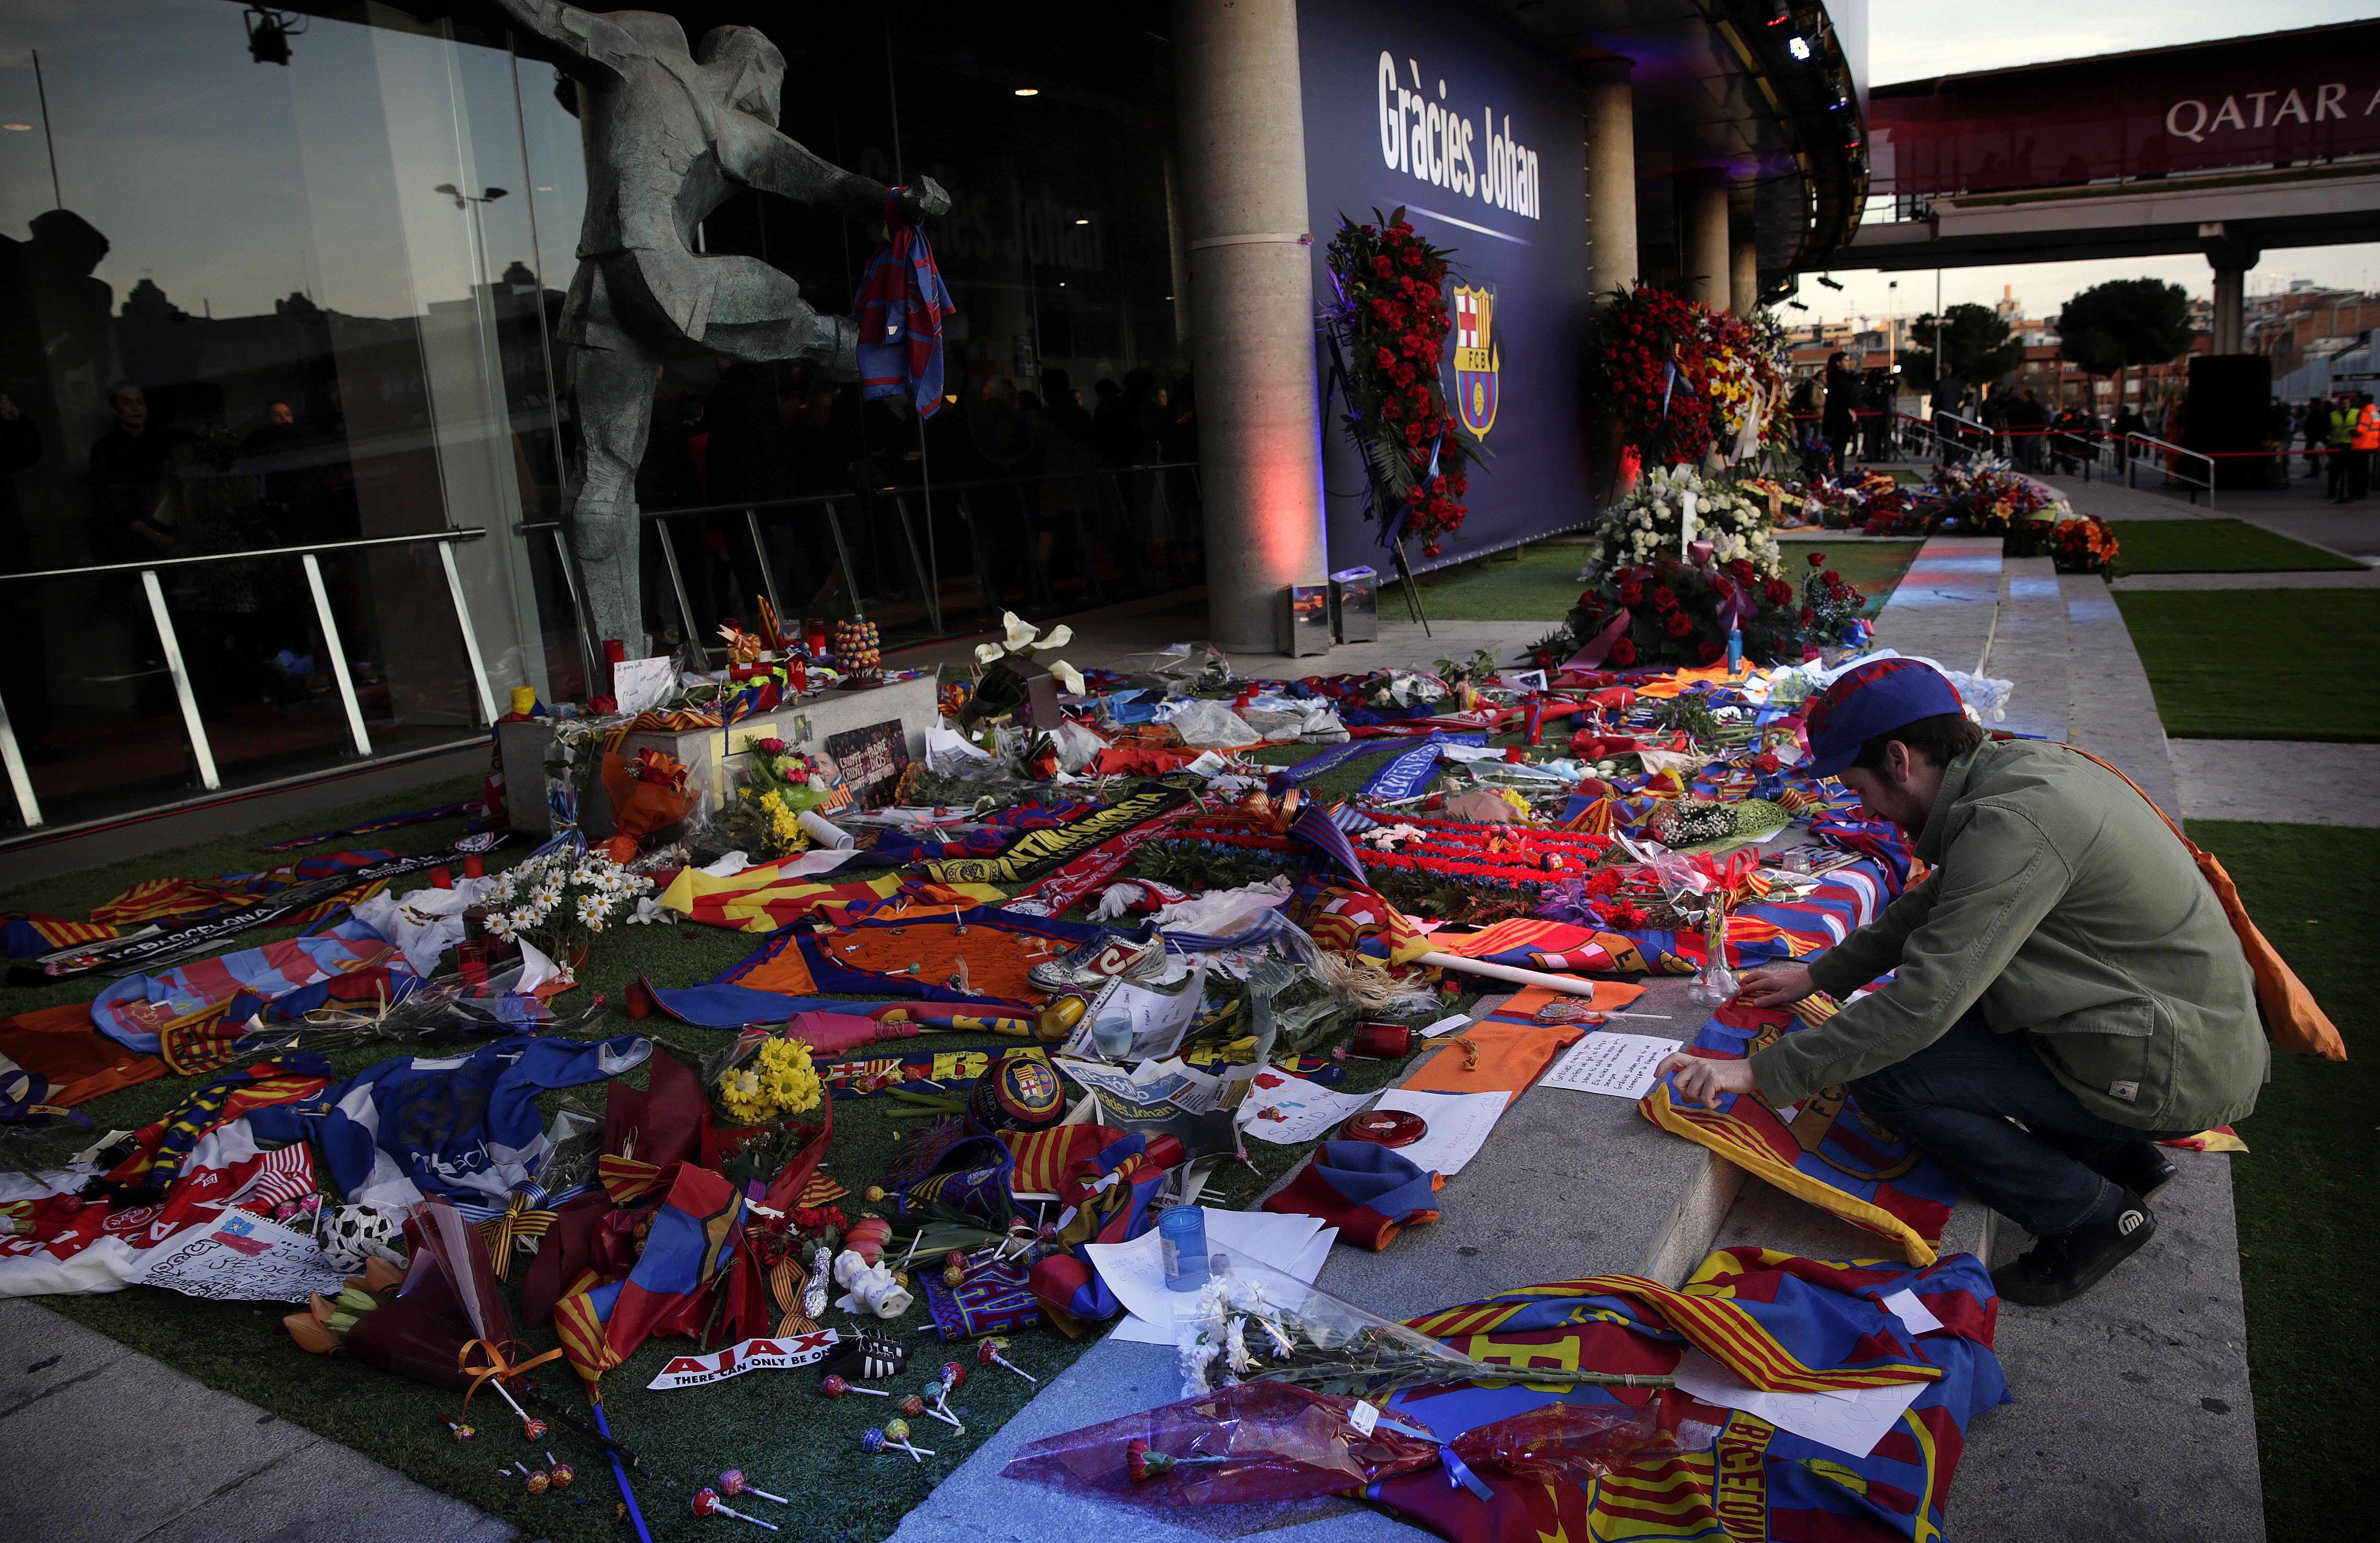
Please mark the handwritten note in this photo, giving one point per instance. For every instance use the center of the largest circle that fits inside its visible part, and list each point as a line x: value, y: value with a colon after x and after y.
x: 1617, y: 1065
x: 642, y: 682
x: 241, y: 1257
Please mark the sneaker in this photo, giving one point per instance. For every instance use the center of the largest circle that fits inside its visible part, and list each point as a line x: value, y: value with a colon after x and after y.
x: 2144, y: 1170
x: 2063, y: 1266
x: 1093, y: 963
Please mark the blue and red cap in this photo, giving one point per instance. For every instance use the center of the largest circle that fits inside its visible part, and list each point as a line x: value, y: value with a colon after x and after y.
x: 1876, y: 697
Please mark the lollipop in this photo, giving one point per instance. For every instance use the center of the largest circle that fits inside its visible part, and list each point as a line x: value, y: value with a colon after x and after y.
x: 561, y: 1473
x: 708, y: 1504
x: 896, y: 1434
x: 939, y: 1407
x: 953, y: 1375
x: 734, y: 1482
x: 533, y: 1427
x: 871, y: 1441
x: 912, y: 1407
x: 462, y: 1432
x: 988, y: 1353
x: 534, y: 1480
x: 836, y: 1387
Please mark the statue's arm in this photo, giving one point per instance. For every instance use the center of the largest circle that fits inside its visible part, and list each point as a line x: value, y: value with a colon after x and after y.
x: 759, y: 156
x: 566, y: 27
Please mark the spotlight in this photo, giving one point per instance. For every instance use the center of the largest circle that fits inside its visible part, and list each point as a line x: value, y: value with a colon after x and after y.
x: 1795, y: 305
x: 1799, y: 46
x: 269, y: 32
x: 1828, y: 283
x: 1028, y: 90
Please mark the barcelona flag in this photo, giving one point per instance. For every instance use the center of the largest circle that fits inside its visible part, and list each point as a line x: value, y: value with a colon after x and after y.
x: 1778, y: 1321
x: 1824, y: 1150
x: 693, y: 1237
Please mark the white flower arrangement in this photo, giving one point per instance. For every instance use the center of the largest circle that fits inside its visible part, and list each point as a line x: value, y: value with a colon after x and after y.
x: 1649, y: 523
x: 548, y: 898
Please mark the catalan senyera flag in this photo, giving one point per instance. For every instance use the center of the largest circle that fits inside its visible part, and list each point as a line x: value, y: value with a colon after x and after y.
x: 31, y: 934
x: 693, y: 1237
x: 1780, y: 1322
x: 1347, y: 918
x: 764, y: 897
x: 1827, y: 1152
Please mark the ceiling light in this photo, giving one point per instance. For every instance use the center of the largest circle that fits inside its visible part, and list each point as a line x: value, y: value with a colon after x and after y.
x: 1799, y: 46
x: 1028, y: 90
x: 1082, y: 221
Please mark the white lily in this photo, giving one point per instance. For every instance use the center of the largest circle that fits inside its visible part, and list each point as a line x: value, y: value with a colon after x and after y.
x: 1057, y: 639
x: 1067, y: 676
x: 989, y: 653
x: 1019, y: 634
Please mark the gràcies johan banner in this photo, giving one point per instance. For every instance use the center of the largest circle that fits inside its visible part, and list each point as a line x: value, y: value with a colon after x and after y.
x: 718, y: 1366
x: 1479, y: 140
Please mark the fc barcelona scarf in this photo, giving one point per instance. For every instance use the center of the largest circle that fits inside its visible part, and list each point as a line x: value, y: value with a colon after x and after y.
x: 167, y: 901
x: 1825, y: 1149
x: 1780, y: 1322
x: 1037, y: 852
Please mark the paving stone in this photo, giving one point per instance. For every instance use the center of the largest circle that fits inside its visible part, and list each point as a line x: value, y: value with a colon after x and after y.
x: 183, y: 1443
x: 2292, y: 782
x: 45, y: 1352
x: 1947, y: 605
x: 325, y: 1493
x: 2029, y: 647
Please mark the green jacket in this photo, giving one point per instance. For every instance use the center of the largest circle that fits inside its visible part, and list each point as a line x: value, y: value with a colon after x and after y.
x: 2060, y: 903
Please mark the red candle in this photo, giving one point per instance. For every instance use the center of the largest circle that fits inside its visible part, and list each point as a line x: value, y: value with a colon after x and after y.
x: 439, y: 879
x: 475, y: 866
x: 614, y: 651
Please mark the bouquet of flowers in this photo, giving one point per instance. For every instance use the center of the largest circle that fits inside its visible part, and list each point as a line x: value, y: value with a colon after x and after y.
x: 779, y: 784
x: 765, y: 1080
x: 1392, y: 309
x: 1985, y: 497
x: 1831, y: 605
x: 1000, y: 690
x: 1648, y: 362
x: 1671, y: 612
x: 557, y: 899
x: 2084, y: 545
x: 1651, y: 523
x: 649, y: 794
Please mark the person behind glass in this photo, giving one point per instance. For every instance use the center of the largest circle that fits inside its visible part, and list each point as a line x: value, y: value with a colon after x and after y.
x: 1878, y: 425
x: 2313, y: 424
x: 1842, y: 411
x: 2340, y: 432
x: 129, y: 519
x: 2065, y: 989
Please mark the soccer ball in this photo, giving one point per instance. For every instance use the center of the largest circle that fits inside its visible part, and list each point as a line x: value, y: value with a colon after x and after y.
x: 352, y: 1235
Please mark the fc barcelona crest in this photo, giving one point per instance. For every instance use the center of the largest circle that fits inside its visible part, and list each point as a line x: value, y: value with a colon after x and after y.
x: 1477, y: 359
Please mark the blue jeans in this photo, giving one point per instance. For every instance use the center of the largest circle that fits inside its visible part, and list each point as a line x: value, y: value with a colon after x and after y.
x: 1954, y: 1100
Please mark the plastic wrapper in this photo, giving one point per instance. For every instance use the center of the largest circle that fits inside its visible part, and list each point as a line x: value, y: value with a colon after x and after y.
x: 1185, y: 667
x: 1257, y: 1442
x: 1573, y: 1443
x: 1251, y: 1322
x: 1210, y: 725
x: 648, y: 795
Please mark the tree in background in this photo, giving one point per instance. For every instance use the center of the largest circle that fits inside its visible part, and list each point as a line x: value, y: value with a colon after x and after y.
x: 2109, y: 327
x: 1972, y: 338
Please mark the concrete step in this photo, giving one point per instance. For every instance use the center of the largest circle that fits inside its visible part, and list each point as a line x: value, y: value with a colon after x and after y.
x: 1946, y: 604
x: 2029, y: 647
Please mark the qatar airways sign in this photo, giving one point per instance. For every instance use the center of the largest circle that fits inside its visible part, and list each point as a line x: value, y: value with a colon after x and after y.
x: 1428, y: 137
x: 2287, y: 99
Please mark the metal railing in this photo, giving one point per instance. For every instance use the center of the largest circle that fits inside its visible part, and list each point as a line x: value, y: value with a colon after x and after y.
x: 21, y: 781
x: 906, y: 504
x: 2170, y: 454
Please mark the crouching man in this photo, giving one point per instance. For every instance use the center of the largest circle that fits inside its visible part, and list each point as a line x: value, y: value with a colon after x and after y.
x: 2065, y: 992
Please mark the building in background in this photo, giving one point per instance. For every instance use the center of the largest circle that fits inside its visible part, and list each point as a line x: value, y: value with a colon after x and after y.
x: 283, y: 285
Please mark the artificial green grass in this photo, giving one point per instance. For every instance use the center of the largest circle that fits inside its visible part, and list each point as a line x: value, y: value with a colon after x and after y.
x: 2260, y: 663
x: 1542, y: 585
x: 2214, y: 546
x: 2303, y: 1192
x: 771, y: 1424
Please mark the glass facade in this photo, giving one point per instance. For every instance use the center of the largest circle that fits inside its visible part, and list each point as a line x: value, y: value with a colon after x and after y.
x: 248, y: 305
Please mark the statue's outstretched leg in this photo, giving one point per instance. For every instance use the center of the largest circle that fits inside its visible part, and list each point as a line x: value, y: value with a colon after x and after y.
x: 615, y: 379
x: 757, y: 314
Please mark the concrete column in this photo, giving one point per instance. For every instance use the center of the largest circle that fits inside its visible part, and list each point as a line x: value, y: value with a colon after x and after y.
x: 1610, y: 176
x: 1243, y: 165
x: 1701, y: 222
x: 2230, y: 306
x: 1744, y: 278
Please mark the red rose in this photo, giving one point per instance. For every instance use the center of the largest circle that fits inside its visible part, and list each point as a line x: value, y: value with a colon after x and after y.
x: 1817, y: 559
x: 1630, y: 591
x: 1779, y: 591
x: 1383, y: 358
x: 1809, y: 617
x: 1623, y: 653
x: 770, y: 746
x: 1742, y: 569
x: 1679, y: 623
x: 1662, y: 598
x: 1413, y: 433
x: 1831, y: 578
x: 1391, y: 407
x: 1710, y: 653
x: 1383, y: 267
